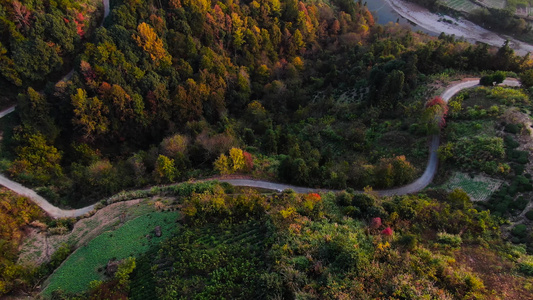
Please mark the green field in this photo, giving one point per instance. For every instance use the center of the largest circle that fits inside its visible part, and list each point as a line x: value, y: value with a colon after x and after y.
x: 495, y: 3
x: 461, y: 5
x: 88, y: 263
x: 479, y: 187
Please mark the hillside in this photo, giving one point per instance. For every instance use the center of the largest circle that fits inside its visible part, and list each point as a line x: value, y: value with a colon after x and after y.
x: 241, y: 244
x: 302, y: 93
x: 312, y: 94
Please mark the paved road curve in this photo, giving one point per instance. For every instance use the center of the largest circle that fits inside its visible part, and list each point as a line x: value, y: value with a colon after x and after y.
x: 413, y: 187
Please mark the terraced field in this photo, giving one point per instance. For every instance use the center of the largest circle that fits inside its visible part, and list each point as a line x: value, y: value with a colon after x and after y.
x: 88, y: 263
x: 462, y: 5
x: 479, y: 187
x: 223, y: 249
x: 495, y: 3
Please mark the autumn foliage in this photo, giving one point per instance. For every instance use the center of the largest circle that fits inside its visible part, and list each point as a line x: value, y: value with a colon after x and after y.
x: 16, y: 212
x: 387, y: 231
x: 151, y: 43
x: 238, y: 161
x: 435, y: 113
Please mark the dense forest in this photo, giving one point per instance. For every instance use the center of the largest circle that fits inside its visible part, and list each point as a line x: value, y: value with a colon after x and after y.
x: 39, y: 39
x: 166, y: 89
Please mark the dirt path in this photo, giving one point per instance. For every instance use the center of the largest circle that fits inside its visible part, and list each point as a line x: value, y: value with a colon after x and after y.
x: 460, y: 28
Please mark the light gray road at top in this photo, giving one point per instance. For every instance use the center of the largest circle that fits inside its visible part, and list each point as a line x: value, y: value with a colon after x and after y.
x: 413, y: 187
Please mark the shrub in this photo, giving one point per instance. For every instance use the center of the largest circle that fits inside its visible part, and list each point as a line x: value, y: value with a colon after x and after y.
x: 526, y: 266
x: 529, y: 215
x: 510, y: 142
x: 512, y: 128
x: 387, y: 231
x: 344, y: 199
x: 486, y: 81
x: 453, y: 240
x: 409, y: 241
x: 375, y: 223
x: 519, y: 231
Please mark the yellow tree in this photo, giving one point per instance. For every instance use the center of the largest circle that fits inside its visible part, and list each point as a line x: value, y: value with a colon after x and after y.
x: 165, y: 169
x: 222, y: 165
x: 151, y: 43
x: 237, y: 159
x: 89, y: 114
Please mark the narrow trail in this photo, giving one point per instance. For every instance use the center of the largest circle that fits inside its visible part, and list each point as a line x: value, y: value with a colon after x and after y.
x: 413, y: 187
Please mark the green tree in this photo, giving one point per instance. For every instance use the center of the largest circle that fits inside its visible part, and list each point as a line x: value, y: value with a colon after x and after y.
x: 36, y: 159
x: 35, y: 59
x: 526, y: 78
x: 7, y: 67
x: 34, y: 112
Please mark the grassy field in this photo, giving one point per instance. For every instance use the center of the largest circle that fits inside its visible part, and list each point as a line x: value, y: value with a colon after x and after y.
x: 495, y: 3
x: 461, y: 5
x: 479, y: 187
x: 88, y: 262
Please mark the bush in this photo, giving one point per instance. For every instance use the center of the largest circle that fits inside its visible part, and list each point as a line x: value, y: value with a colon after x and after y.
x: 510, y: 142
x: 344, y: 198
x: 453, y: 240
x: 529, y: 215
x: 486, y: 81
x: 526, y: 267
x: 519, y: 231
x: 512, y: 128
x: 409, y: 241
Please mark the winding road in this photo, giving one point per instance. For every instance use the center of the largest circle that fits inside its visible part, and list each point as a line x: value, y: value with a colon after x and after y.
x: 413, y: 187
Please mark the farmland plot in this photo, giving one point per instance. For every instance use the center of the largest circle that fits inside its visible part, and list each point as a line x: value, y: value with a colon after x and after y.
x: 479, y: 188
x: 88, y: 263
x: 495, y: 3
x: 461, y: 5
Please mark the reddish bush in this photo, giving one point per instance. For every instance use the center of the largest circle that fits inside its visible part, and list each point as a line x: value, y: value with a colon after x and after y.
x: 248, y: 160
x: 314, y: 196
x: 375, y: 223
x: 387, y: 231
x: 439, y: 109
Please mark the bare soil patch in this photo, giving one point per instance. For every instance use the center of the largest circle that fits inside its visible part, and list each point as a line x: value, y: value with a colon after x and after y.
x: 39, y: 245
x: 496, y: 272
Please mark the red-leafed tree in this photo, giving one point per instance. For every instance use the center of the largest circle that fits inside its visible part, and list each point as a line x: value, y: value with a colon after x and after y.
x: 248, y: 160
x: 435, y: 114
x: 21, y: 15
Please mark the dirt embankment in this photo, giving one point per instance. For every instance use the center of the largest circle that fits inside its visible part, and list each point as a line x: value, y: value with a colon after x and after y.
x: 38, y: 246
